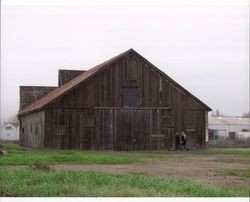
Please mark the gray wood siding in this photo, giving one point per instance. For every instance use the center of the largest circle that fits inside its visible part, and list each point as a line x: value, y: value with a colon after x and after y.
x: 32, y: 130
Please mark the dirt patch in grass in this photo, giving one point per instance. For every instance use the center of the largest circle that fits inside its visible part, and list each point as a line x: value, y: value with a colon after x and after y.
x: 202, y: 169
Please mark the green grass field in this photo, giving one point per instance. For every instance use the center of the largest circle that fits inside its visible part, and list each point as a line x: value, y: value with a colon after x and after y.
x: 29, y: 182
x: 17, y: 156
x: 236, y: 172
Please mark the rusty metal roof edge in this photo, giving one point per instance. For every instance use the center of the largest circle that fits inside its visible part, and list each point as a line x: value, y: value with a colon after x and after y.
x: 99, y: 68
x: 103, y: 66
x: 23, y: 113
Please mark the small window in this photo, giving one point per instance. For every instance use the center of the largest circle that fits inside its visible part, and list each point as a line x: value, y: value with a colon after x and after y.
x: 130, y: 97
x: 190, y: 120
x: 31, y: 129
x: 131, y: 70
x: 88, y: 122
x: 22, y: 130
x: 167, y: 122
x: 59, y: 130
x: 190, y: 124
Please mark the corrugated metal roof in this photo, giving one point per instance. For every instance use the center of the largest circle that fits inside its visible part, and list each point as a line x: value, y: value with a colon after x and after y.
x: 77, y: 80
x: 228, y: 121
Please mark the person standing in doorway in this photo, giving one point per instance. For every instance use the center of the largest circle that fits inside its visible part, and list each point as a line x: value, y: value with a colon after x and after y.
x: 183, y: 141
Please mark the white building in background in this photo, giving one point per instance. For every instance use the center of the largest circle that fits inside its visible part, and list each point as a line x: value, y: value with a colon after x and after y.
x: 9, y: 131
x: 231, y: 128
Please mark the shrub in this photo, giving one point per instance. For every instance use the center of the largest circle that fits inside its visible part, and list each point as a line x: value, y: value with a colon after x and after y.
x: 41, y: 166
x: 1, y: 147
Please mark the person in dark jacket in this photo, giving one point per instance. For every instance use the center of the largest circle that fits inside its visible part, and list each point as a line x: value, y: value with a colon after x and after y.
x: 183, y: 141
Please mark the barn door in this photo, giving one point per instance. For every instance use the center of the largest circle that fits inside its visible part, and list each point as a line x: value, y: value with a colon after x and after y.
x: 86, y: 140
x: 170, y: 138
x: 131, y: 129
x: 97, y: 130
x: 87, y: 135
x: 167, y: 125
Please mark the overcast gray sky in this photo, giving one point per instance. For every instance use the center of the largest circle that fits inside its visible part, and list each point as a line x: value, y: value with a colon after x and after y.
x: 204, y: 48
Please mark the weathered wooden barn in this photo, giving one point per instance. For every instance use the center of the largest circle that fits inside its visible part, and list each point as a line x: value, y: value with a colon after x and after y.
x: 125, y: 103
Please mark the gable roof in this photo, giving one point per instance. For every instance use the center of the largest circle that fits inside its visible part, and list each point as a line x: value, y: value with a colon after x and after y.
x: 77, y: 80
